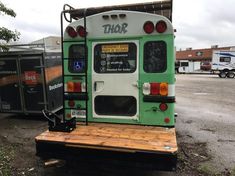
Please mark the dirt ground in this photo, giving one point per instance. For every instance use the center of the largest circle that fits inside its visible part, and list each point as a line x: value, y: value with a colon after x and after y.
x: 195, y: 157
x: 17, y: 153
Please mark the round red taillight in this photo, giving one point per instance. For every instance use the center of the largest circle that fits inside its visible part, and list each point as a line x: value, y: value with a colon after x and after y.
x: 71, y: 103
x: 148, y: 27
x: 163, y: 106
x: 167, y: 120
x: 71, y: 31
x: 161, y: 26
x: 81, y: 31
x: 68, y: 115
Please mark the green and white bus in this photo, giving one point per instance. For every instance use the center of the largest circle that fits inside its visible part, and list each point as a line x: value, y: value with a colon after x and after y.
x: 118, y: 75
x: 119, y: 68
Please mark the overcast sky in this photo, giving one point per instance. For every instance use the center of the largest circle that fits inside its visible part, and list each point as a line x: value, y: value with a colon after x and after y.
x: 199, y: 23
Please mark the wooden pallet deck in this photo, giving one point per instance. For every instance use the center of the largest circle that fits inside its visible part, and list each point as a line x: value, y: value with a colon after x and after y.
x: 116, y: 137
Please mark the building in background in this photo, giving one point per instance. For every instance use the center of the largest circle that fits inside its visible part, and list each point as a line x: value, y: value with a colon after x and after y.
x: 50, y: 43
x: 204, y: 56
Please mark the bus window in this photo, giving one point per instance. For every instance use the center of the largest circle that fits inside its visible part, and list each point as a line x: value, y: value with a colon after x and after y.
x: 117, y: 105
x: 76, y: 58
x: 115, y: 58
x: 155, y: 57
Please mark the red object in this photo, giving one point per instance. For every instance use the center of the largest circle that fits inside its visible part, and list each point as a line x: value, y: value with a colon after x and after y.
x: 68, y: 115
x: 167, y: 120
x: 30, y: 77
x: 154, y: 88
x: 77, y: 87
x: 161, y: 26
x: 81, y: 31
x: 148, y: 27
x: 71, y: 31
x: 163, y: 107
x: 71, y: 103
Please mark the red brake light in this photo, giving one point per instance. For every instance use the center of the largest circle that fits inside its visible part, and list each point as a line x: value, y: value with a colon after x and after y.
x: 163, y: 106
x: 148, y: 27
x: 161, y: 26
x: 77, y: 87
x: 81, y: 31
x: 68, y: 115
x: 167, y: 120
x: 71, y: 31
x: 71, y: 103
x: 154, y: 88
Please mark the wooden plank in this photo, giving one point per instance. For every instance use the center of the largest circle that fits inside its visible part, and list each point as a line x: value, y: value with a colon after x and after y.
x: 116, y: 137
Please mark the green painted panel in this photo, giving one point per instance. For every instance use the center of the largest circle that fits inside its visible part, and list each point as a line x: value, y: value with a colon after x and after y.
x: 78, y: 104
x: 151, y: 114
x: 148, y: 115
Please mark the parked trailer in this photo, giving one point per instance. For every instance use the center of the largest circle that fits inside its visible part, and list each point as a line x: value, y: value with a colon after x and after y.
x: 30, y: 81
x: 186, y: 66
x: 223, y: 63
x: 119, y: 86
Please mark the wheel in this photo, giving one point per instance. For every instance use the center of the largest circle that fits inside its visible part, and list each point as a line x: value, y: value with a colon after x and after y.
x: 222, y: 74
x: 230, y: 74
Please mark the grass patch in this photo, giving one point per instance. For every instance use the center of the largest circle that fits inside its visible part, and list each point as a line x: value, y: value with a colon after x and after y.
x: 6, y: 156
x: 233, y: 172
x: 207, y: 169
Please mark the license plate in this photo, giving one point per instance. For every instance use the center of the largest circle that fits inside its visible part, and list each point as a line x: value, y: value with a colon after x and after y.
x: 78, y: 113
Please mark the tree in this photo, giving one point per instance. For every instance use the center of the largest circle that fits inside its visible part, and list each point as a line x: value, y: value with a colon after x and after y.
x: 7, y: 35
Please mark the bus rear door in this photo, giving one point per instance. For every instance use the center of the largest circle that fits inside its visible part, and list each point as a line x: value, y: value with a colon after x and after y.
x: 115, y: 93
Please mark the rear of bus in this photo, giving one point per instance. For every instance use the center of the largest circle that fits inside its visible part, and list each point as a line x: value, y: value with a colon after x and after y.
x: 130, y: 69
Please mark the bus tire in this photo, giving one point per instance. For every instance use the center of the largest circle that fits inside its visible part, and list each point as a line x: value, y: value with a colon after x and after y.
x: 222, y: 74
x: 230, y: 74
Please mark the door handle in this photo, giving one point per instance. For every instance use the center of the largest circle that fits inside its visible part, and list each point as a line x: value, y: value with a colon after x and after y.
x: 95, y: 86
x: 98, y: 86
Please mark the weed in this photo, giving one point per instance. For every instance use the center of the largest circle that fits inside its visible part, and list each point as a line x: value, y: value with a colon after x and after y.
x: 6, y: 155
x: 233, y: 172
x: 207, y: 169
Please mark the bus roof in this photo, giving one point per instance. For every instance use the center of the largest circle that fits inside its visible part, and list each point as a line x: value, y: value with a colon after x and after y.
x: 163, y: 7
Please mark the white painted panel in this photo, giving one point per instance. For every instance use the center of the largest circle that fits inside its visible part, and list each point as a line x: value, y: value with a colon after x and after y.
x: 115, y: 84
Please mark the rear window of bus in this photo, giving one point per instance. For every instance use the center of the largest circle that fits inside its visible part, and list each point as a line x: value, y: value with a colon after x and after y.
x: 155, y: 57
x: 115, y: 58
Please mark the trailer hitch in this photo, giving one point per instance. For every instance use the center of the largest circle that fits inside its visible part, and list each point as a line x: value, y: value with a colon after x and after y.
x: 56, y: 123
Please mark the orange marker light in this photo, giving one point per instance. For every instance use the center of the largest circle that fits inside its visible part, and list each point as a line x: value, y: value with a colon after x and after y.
x: 163, y: 89
x: 70, y: 86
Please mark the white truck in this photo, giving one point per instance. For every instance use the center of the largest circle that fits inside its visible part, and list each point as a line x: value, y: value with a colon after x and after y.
x: 223, y: 63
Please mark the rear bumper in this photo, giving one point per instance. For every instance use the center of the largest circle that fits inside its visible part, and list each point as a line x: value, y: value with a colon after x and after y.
x: 141, y: 160
x: 145, y: 147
